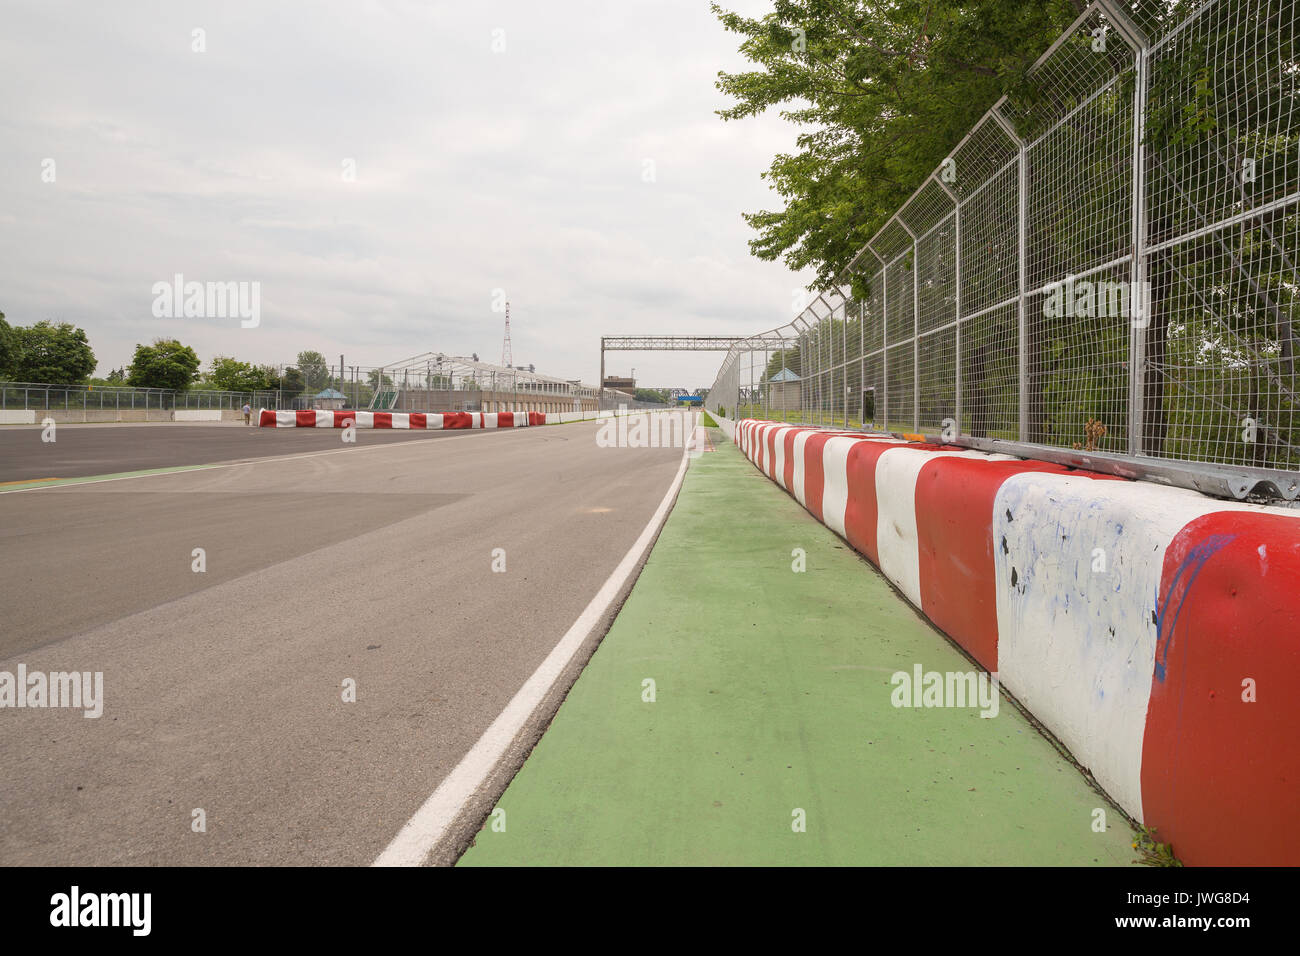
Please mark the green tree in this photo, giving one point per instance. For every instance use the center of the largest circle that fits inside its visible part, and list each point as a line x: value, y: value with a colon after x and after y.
x: 57, y: 354
x: 234, y: 376
x: 8, y: 348
x: 165, y: 364
x: 372, y: 377
x: 115, y: 378
x: 315, y: 370
x: 291, y: 382
x: 881, y: 93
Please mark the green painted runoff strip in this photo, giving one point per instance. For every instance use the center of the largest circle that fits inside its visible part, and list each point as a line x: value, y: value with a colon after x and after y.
x: 771, y: 707
x: 24, y: 485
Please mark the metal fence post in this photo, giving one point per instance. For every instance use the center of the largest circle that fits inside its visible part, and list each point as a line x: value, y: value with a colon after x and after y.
x: 916, y: 327
x: 956, y: 305
x: 1139, y: 317
x: 884, y: 343
x: 862, y: 362
x: 844, y: 351
x: 1022, y: 267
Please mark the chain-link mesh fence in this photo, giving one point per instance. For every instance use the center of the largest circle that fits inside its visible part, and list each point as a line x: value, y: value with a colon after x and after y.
x: 107, y: 398
x: 1105, y: 264
x: 453, y: 385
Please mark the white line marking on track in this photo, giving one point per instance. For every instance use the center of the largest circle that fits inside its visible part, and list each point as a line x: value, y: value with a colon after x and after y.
x: 429, y: 825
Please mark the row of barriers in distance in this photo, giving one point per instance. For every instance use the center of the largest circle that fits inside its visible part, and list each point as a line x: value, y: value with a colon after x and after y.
x: 110, y: 402
x: 1106, y: 265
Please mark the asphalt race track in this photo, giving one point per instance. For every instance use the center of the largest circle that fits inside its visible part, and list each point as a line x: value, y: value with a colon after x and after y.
x: 223, y: 688
x: 81, y: 450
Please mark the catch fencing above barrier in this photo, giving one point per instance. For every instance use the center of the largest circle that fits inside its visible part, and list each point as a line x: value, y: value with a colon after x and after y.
x: 45, y: 397
x: 1103, y: 271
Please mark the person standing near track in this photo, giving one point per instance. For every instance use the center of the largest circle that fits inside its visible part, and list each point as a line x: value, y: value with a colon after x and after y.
x: 248, y: 414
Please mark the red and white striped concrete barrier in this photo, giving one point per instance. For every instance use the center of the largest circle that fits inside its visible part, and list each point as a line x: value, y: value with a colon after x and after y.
x: 267, y: 418
x: 1155, y: 631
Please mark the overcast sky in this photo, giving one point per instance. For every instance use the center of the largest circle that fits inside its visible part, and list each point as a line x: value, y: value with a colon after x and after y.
x: 523, y: 169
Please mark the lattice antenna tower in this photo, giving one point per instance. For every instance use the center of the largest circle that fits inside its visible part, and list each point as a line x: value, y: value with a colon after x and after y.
x: 506, y: 358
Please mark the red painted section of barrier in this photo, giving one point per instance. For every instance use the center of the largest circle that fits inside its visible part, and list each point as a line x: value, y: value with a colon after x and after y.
x: 787, y: 466
x: 536, y: 418
x: 769, y: 450
x: 862, y: 511
x: 419, y: 420
x: 383, y: 420
x: 344, y: 419
x: 814, y: 472
x: 505, y: 419
x: 1221, y: 776
x: 266, y: 418
x: 814, y: 469
x: 456, y: 420
x: 305, y: 418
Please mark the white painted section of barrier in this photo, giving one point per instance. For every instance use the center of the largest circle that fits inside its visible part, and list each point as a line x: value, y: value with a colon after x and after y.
x: 489, y: 419
x: 286, y: 419
x: 896, y: 535
x: 835, y: 490
x: 1077, y: 645
x: 19, y: 416
x: 778, y: 466
x: 365, y: 419
x: 401, y: 419
x: 761, y: 448
x: 800, y: 440
x: 324, y: 419
x: 190, y: 415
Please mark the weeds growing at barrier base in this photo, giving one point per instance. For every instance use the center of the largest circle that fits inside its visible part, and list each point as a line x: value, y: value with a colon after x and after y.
x: 1151, y: 851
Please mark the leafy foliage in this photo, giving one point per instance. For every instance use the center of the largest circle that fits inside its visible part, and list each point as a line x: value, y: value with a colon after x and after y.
x: 883, y: 92
x: 165, y: 364
x: 315, y: 370
x: 8, y: 348
x: 45, y: 352
x: 232, y: 375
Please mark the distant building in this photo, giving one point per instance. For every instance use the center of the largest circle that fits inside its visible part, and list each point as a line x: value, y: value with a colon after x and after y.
x: 622, y: 384
x: 330, y: 398
x: 784, y: 391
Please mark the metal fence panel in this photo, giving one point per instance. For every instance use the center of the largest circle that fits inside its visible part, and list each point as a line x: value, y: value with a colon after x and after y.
x: 1105, y: 265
